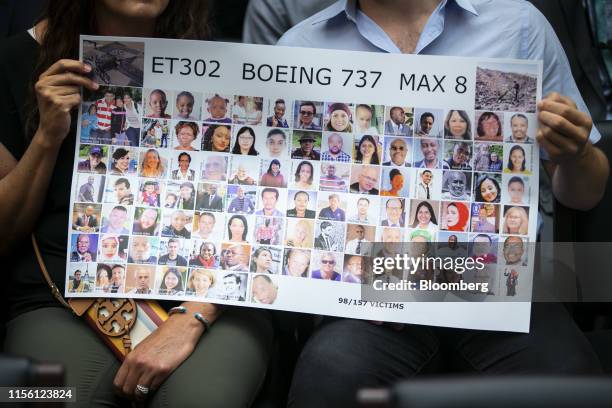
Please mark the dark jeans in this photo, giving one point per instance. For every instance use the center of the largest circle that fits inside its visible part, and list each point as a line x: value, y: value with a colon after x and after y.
x: 345, y: 355
x: 133, y: 135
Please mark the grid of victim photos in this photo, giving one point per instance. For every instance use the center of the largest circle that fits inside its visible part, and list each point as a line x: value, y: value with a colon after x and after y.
x: 208, y: 195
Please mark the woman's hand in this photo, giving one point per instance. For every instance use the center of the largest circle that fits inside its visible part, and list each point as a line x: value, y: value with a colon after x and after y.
x: 157, y: 356
x: 57, y: 92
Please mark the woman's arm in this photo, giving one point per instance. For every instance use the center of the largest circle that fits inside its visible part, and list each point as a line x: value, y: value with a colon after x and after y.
x: 24, y: 183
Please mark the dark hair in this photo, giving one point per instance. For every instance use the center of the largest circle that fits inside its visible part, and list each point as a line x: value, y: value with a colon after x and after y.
x: 173, y: 240
x: 479, y: 182
x: 187, y: 94
x: 269, y: 190
x: 105, y: 268
x: 120, y: 208
x: 275, y: 132
x: 123, y: 180
x: 517, y: 147
x: 415, y: 223
x: 395, y: 108
x: 236, y: 149
x: 302, y: 192
x: 184, y: 154
x: 256, y: 254
x: 279, y: 100
x: 426, y: 115
x: 208, y: 243
x: 309, y: 103
x: 207, y: 138
x: 299, y: 167
x: 275, y: 161
x: 243, y: 219
x: 516, y: 179
x: 179, y: 285
x: 233, y: 275
x: 486, y: 116
x: 393, y: 173
x: 363, y: 199
x: 119, y: 153
x: 359, y: 156
x: 426, y: 171
x: 325, y: 224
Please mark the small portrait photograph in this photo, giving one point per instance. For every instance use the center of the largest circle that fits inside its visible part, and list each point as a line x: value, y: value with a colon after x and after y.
x: 274, y: 173
x: 488, y: 157
x: 489, y: 126
x: 456, y: 185
x: 393, y: 212
x: 452, y: 244
x: 153, y: 163
x: 241, y: 199
x: 515, y: 251
x: 518, y: 159
x: 92, y: 159
x: 186, y: 135
x: 306, y: 145
x: 187, y: 106
x: 201, y: 282
x: 359, y: 239
x: 354, y: 269
x: 116, y: 219
x: 139, y: 279
x: 266, y: 259
x: 329, y: 235
x: 520, y: 127
x: 177, y: 224
x: 299, y: 233
x: 516, y: 189
x: 424, y: 215
x: 155, y: 133
x: 242, y: 169
x: 369, y: 119
x: 264, y: 289
x: 398, y: 121
x: 149, y: 193
x: 123, y: 161
x: 304, y: 175
x: 458, y: 124
x: 180, y: 195
x: 338, y: 117
x: 327, y: 265
x: 395, y: 182
x: 515, y: 281
x: 111, y: 115
x: 367, y: 149
x: 83, y: 247
x: 143, y: 250
x: 428, y: 184
x: 158, y: 103
x: 334, y: 176
x: 303, y: 204
x: 147, y: 221
x: 204, y: 254
x: 248, y: 110
x: 332, y: 206
x: 235, y: 256
x: 485, y: 218
x: 390, y: 237
x: 171, y: 280
x: 363, y: 210
x: 79, y: 279
x: 365, y: 179
x: 483, y: 246
x: 217, y: 108
x: 173, y: 251
x: 397, y: 151
x: 428, y: 153
x: 184, y: 166
x: 113, y: 248
x: 455, y: 216
x: 272, y: 202
x: 506, y: 87
x: 86, y: 217
x: 238, y: 228
x: 232, y: 286
x: 268, y: 230
x: 308, y: 115
x: 428, y: 122
x: 244, y: 139
x: 89, y: 188
x: 487, y: 187
x: 214, y: 167
x: 119, y: 190
x: 280, y: 113
x: 104, y: 278
x: 458, y: 155
x: 208, y: 226
x: 216, y: 138
x: 274, y: 143
x: 115, y: 62
x: 337, y: 147
x: 516, y: 220
x: 296, y: 262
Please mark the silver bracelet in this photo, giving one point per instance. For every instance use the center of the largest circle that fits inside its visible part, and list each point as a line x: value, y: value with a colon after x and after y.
x: 200, y: 318
x: 177, y: 309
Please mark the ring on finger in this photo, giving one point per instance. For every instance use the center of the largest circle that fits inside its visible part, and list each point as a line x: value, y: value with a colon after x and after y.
x: 142, y: 389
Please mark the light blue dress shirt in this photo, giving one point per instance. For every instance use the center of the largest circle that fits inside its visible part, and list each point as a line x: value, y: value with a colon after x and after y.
x: 464, y: 28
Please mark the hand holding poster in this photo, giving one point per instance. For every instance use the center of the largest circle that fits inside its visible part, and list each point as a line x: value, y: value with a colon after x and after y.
x: 217, y: 173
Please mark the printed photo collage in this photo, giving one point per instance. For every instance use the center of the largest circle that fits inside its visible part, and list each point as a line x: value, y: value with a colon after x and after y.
x: 179, y: 193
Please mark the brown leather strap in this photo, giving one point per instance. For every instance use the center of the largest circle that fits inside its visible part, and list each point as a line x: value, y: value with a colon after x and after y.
x: 54, y: 290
